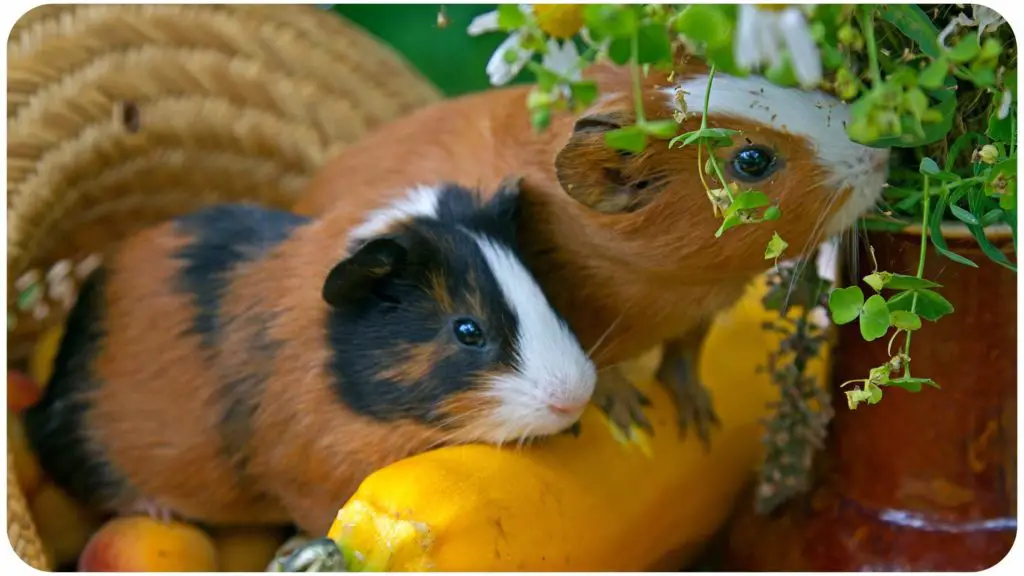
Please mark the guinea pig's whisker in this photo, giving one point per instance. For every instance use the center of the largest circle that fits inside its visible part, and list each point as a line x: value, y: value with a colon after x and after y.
x: 590, y: 353
x: 812, y: 239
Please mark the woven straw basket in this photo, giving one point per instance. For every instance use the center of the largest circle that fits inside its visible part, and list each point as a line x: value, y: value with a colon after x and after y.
x: 120, y: 116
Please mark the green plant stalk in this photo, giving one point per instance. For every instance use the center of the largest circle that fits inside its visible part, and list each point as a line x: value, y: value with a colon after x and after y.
x: 707, y: 98
x: 634, y: 69
x: 703, y: 126
x: 868, y: 24
x: 718, y: 171
x: 920, y: 268
x: 1013, y: 135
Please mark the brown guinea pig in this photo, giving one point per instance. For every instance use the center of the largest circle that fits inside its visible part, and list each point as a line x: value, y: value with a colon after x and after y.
x: 246, y: 365
x: 624, y: 244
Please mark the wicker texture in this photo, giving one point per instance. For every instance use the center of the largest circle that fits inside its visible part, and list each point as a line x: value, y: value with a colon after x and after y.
x: 120, y: 116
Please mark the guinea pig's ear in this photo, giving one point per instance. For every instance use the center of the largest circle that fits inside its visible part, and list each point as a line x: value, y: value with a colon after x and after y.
x: 597, y: 175
x: 505, y: 202
x: 355, y: 277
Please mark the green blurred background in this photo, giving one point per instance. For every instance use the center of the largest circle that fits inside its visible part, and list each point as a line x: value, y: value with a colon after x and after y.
x: 452, y: 59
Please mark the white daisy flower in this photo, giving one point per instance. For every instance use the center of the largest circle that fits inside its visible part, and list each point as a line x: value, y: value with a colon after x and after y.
x: 501, y: 68
x: 1004, y: 104
x: 984, y: 19
x: 563, y: 59
x: 763, y: 37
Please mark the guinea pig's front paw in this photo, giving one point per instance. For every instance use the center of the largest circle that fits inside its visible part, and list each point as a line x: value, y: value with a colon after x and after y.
x: 317, y: 555
x: 678, y: 373
x: 621, y: 402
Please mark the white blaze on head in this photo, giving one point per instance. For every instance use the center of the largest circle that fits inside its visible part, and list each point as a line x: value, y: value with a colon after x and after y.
x: 556, y: 379
x: 818, y: 118
x: 420, y: 201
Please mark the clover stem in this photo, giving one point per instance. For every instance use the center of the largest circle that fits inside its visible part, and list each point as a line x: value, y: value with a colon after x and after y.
x: 920, y: 267
x: 634, y: 68
x: 718, y: 171
x: 869, y: 37
x: 707, y: 98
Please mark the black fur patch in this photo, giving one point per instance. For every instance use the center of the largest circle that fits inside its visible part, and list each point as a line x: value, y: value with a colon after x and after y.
x: 402, y: 313
x: 225, y: 236
x: 242, y: 387
x: 55, y: 426
x: 496, y: 219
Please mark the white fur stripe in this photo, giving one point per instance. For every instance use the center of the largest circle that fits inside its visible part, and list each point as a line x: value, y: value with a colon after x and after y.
x: 818, y: 118
x: 551, y: 358
x: 420, y: 201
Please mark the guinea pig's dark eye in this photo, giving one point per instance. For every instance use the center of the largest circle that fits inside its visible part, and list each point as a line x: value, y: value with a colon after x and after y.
x: 469, y: 333
x: 753, y: 162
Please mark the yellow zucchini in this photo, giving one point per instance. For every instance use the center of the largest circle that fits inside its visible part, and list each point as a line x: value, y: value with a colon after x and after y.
x: 577, y: 504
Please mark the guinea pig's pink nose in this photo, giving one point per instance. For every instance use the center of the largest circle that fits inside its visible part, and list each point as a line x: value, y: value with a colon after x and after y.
x: 566, y: 409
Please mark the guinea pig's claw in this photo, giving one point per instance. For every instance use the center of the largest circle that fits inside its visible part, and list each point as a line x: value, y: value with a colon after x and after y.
x: 319, y: 555
x: 692, y: 399
x: 621, y: 402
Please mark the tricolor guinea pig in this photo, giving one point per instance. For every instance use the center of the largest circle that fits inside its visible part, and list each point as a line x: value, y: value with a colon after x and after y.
x: 624, y: 243
x: 247, y: 365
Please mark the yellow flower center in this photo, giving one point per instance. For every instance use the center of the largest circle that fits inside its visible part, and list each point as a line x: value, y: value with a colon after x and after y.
x: 772, y: 7
x: 560, y: 21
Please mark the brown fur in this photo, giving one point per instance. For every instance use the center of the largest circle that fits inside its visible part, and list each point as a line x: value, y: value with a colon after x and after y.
x: 653, y: 268
x: 304, y: 452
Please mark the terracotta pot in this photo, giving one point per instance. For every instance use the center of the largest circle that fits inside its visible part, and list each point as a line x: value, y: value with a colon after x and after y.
x: 921, y: 481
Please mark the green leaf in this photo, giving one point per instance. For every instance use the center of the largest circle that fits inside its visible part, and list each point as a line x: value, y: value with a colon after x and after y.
x: 540, y: 118
x: 929, y: 167
x: 775, y: 247
x: 845, y: 304
x: 912, y: 384
x: 992, y: 216
x: 610, y: 20
x: 584, y: 93
x: 880, y: 374
x: 963, y: 141
x: 772, y: 212
x: 660, y: 128
x: 975, y: 197
x: 620, y: 51
x: 934, y: 74
x: 964, y: 216
x: 936, y: 235
x: 510, y: 17
x: 983, y: 77
x: 1008, y: 202
x: 874, y: 318
x: 990, y: 49
x: 905, y: 320
x: 716, y: 136
x: 705, y: 23
x: 749, y: 200
x: 965, y: 50
x: 904, y: 282
x: 631, y: 138
x: 1000, y: 129
x: 653, y: 45
x: 730, y: 221
x: 930, y: 304
x: 855, y: 397
x: 874, y: 393
x: 915, y: 101
x: 781, y: 72
x: 877, y: 280
x: 915, y: 24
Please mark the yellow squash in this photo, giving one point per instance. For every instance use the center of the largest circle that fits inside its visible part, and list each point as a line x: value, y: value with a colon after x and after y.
x: 577, y: 504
